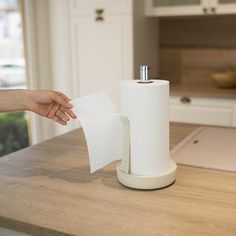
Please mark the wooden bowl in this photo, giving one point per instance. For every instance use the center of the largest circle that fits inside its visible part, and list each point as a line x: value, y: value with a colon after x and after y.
x: 226, y: 79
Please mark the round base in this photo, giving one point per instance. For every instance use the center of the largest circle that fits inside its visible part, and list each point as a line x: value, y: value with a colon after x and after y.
x: 147, y: 182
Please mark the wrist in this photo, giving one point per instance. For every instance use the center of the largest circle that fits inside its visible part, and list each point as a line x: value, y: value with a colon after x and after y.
x: 13, y: 100
x: 26, y: 98
x: 22, y: 98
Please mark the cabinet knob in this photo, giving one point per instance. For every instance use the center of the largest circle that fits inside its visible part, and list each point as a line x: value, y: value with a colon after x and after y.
x: 205, y: 10
x: 213, y: 9
x: 99, y: 11
x: 185, y: 100
x: 99, y: 14
x: 99, y: 18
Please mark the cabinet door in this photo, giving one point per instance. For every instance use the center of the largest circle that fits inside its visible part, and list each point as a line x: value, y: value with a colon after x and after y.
x: 223, y: 6
x: 202, y: 111
x: 102, y: 53
x: 201, y: 115
x: 174, y: 3
x: 109, y: 7
x: 176, y: 7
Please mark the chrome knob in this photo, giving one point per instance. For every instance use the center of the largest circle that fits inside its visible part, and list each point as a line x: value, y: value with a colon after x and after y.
x: 144, y: 73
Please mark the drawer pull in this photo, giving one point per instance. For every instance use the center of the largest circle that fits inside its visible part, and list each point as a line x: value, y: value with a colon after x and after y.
x: 99, y: 11
x: 99, y: 18
x: 185, y: 100
x: 99, y: 15
x: 205, y: 10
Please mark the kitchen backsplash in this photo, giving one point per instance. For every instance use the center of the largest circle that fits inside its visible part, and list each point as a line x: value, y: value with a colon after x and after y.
x: 191, y: 48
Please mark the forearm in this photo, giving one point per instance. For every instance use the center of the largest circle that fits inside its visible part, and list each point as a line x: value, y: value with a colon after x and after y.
x: 13, y: 100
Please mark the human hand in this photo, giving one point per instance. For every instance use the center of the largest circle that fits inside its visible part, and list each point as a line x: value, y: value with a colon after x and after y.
x: 50, y: 104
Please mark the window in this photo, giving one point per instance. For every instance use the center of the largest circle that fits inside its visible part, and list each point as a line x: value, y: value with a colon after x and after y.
x: 13, y: 126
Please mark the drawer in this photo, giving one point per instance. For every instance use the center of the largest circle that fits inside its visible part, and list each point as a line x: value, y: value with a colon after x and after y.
x: 202, y: 115
x: 212, y: 111
x: 107, y: 7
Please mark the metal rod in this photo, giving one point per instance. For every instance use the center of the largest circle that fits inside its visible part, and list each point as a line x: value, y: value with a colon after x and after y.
x: 144, y: 73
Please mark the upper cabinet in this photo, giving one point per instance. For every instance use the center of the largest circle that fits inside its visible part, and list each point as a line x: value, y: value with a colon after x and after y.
x: 189, y: 7
x: 108, y: 7
x: 109, y: 40
x: 224, y: 6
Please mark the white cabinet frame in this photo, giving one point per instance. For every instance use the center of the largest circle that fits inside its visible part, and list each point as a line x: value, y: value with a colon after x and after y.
x: 208, y: 111
x: 206, y: 7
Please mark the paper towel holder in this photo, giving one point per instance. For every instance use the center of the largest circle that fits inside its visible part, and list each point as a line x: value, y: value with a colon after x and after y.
x: 124, y: 174
x: 144, y: 75
x: 128, y: 179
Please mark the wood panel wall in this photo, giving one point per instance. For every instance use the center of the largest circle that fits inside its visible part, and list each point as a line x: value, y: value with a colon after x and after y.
x: 193, y: 47
x: 199, y: 32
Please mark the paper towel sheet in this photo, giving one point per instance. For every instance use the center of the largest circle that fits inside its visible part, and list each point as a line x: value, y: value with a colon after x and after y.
x: 101, y: 122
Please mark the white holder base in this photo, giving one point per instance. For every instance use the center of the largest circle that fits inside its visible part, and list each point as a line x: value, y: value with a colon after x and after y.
x: 147, y: 182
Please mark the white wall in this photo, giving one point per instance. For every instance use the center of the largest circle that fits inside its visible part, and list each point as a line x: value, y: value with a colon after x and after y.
x: 46, y: 31
x: 61, y: 58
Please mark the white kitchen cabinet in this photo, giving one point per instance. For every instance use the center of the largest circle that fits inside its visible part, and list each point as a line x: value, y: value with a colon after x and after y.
x: 209, y: 111
x: 189, y: 7
x: 109, y: 40
x: 109, y: 7
x: 175, y: 8
x: 223, y: 6
x: 101, y: 53
x: 96, y: 43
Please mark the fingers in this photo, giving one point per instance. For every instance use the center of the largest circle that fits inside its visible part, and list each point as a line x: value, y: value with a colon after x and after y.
x: 61, y: 109
x: 53, y: 109
x: 65, y: 114
x: 59, y: 120
x: 69, y: 112
x: 61, y: 99
x: 62, y: 115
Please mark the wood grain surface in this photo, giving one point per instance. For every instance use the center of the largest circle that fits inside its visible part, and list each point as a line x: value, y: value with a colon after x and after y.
x: 198, y: 32
x: 191, y: 68
x: 47, y: 189
x: 191, y: 48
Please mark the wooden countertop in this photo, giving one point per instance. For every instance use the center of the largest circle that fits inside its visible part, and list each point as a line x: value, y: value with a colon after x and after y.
x: 46, y: 189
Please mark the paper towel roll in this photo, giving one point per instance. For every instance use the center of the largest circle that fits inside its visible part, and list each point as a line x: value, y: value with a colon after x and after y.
x: 147, y: 107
